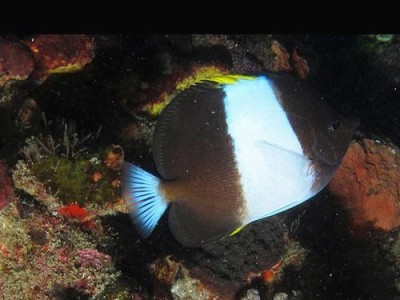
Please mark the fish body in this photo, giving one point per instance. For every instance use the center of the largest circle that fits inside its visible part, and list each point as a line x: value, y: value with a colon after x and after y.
x: 233, y: 150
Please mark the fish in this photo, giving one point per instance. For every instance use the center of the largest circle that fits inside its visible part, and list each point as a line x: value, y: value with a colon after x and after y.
x: 234, y: 149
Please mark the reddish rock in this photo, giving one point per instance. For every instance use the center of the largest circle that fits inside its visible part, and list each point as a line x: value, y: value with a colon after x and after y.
x: 367, y: 185
x: 299, y: 64
x: 56, y: 53
x: 16, y: 61
x: 43, y: 55
x: 6, y: 185
x: 281, y: 59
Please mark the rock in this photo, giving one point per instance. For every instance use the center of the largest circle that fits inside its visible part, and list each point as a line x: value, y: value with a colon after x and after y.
x: 382, y: 52
x: 60, y: 53
x: 367, y: 185
x: 250, y: 54
x: 389, y: 63
x: 16, y: 61
x: 251, y: 294
x: 188, y: 288
x: 281, y: 296
x: 300, y: 64
x: 43, y: 55
x: 233, y: 267
x: 224, y: 266
x: 280, y: 62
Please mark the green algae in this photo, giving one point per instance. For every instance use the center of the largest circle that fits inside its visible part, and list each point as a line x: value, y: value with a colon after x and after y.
x: 71, y: 180
x: 62, y: 163
x: 376, y: 43
x: 384, y: 38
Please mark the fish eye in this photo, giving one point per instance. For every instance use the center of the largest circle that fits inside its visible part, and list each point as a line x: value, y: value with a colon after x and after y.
x: 334, y: 126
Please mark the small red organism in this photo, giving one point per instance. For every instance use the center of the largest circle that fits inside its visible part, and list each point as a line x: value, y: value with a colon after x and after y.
x: 96, y: 176
x: 266, y: 277
x: 80, y: 214
x: 269, y: 276
x: 73, y: 211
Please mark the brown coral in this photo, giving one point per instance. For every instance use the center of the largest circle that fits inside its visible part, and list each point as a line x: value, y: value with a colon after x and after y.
x: 367, y: 184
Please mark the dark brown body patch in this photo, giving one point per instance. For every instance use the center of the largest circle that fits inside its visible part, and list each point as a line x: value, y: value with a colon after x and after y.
x: 194, y: 154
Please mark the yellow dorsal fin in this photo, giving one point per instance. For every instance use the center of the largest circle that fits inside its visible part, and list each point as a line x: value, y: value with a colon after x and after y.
x: 202, y: 74
x: 229, y: 78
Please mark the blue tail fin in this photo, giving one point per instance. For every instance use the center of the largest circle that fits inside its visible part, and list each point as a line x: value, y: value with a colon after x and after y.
x: 146, y: 204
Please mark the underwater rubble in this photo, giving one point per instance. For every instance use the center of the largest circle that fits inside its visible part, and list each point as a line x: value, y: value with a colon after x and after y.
x: 73, y: 107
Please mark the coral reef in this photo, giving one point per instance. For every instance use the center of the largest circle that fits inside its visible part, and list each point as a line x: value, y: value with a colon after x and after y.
x: 26, y: 181
x: 41, y: 255
x: 63, y: 236
x: 266, y: 54
x: 60, y: 171
x: 367, y: 184
x: 55, y: 53
x: 41, y: 55
x: 256, y: 53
